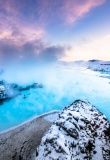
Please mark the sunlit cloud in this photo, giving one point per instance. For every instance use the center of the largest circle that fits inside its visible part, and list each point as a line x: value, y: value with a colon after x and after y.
x: 94, y: 49
x: 74, y: 10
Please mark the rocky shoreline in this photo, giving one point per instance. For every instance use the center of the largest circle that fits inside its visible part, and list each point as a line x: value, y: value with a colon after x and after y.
x: 80, y: 132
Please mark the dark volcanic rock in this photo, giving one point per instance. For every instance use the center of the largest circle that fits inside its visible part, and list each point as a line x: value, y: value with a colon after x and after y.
x: 80, y: 132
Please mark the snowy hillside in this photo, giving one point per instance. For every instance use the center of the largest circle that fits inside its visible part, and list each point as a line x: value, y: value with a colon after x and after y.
x: 80, y: 132
x: 96, y: 65
x: 103, y: 66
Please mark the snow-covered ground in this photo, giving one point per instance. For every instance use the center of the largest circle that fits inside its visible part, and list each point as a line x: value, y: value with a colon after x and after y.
x: 103, y: 66
x: 61, y: 86
x: 96, y: 65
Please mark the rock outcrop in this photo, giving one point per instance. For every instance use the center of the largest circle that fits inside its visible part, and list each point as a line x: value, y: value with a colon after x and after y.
x: 10, y: 90
x: 7, y: 90
x: 80, y: 132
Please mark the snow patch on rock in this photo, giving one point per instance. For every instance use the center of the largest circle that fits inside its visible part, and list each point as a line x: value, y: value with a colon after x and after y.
x: 80, y: 132
x: 7, y: 90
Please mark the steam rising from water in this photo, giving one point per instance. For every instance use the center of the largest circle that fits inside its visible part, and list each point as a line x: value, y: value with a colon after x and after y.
x: 61, y: 86
x: 59, y: 79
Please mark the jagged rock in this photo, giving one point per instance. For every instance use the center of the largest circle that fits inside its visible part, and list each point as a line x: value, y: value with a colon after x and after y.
x: 80, y: 132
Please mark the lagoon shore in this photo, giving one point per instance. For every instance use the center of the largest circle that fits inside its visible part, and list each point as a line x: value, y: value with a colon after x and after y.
x: 20, y: 142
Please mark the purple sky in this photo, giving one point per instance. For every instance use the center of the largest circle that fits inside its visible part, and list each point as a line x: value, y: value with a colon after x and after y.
x: 54, y: 30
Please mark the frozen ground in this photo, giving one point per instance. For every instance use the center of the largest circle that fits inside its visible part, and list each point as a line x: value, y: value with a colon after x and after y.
x: 62, y: 86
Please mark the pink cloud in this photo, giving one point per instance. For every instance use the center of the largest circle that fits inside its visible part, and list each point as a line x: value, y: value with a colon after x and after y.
x: 46, y: 11
x: 74, y: 10
x: 18, y: 37
x: 13, y: 28
x: 69, y: 11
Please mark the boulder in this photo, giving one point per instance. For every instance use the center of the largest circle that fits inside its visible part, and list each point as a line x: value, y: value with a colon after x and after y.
x: 80, y: 132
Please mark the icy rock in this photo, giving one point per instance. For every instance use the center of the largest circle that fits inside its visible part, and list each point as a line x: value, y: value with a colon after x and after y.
x: 2, y: 92
x: 7, y: 90
x: 80, y: 132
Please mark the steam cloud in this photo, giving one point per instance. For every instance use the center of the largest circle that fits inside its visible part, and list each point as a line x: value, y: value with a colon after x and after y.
x: 35, y: 51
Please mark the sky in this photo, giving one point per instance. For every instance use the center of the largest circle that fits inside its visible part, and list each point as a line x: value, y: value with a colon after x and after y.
x: 54, y: 30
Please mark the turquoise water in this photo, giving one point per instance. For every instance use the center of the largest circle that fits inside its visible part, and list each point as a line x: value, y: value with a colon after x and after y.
x: 60, y: 89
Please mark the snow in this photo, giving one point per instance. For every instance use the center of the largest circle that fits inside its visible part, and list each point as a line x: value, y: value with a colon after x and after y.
x: 68, y: 139
x: 96, y: 65
x: 51, y: 118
